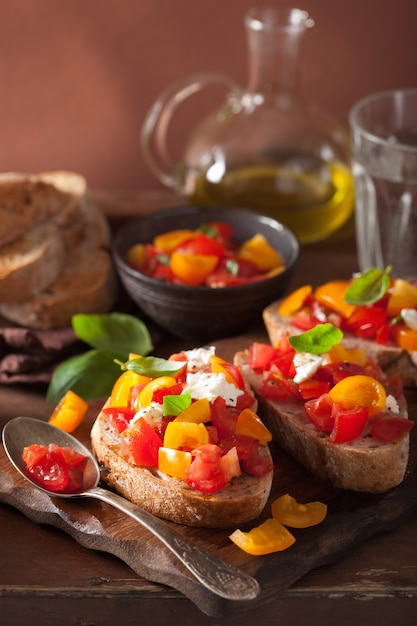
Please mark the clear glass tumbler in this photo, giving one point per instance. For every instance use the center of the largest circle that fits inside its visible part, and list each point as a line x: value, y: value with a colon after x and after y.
x: 384, y: 147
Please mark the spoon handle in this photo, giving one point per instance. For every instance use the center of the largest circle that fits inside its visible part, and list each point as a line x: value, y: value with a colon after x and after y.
x: 219, y: 577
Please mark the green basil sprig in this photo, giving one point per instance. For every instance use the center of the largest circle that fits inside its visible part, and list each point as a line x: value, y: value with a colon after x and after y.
x: 91, y: 375
x: 369, y: 287
x: 317, y: 340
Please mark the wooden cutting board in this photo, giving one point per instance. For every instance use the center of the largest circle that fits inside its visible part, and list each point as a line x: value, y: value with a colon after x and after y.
x: 352, y: 518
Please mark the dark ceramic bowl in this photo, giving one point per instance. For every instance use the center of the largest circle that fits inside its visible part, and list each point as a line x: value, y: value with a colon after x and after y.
x: 203, y: 313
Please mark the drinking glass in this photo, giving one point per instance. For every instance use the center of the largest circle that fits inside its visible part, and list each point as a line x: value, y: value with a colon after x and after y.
x: 384, y: 151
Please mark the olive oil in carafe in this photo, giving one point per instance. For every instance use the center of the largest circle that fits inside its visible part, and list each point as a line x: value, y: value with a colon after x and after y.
x: 312, y: 197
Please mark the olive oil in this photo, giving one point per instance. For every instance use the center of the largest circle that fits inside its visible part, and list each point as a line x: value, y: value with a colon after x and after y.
x: 312, y: 197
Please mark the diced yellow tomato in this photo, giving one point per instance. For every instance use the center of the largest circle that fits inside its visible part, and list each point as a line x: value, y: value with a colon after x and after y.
x: 192, y: 269
x: 359, y: 390
x: 332, y: 295
x: 217, y: 368
x: 403, y: 296
x: 120, y: 394
x: 198, y: 412
x: 185, y: 435
x: 270, y: 536
x: 135, y: 255
x: 248, y: 423
x: 290, y: 513
x: 170, y: 240
x: 340, y: 354
x: 259, y: 251
x: 69, y: 412
x: 174, y: 462
x: 146, y: 394
x: 405, y: 337
x: 293, y: 303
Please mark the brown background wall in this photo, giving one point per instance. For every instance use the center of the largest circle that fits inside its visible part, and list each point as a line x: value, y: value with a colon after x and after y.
x: 78, y: 76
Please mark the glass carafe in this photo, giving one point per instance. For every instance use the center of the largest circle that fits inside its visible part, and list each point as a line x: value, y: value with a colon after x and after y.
x: 265, y: 148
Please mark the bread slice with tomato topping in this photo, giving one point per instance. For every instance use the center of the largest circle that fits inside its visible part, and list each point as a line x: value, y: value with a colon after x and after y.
x: 385, y: 325
x: 322, y: 424
x: 207, y: 464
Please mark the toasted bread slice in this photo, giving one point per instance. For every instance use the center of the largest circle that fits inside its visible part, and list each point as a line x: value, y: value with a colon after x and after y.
x: 169, y: 498
x: 27, y: 200
x: 390, y: 358
x: 364, y: 464
x: 87, y: 285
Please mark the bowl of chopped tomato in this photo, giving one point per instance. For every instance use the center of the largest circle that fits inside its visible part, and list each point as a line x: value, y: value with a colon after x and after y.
x: 204, y: 272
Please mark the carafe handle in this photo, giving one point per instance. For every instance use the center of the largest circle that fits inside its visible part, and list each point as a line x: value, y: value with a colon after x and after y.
x: 155, y: 127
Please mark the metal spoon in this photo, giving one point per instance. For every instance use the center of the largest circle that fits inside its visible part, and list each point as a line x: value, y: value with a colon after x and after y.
x: 219, y: 577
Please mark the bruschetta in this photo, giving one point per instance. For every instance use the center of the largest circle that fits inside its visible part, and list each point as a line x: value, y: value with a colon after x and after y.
x: 375, y: 312
x: 181, y: 438
x: 334, y: 411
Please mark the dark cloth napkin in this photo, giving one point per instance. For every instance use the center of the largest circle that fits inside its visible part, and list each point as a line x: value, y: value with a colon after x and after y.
x: 30, y: 356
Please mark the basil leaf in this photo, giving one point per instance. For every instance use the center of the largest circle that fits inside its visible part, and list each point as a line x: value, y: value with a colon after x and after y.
x: 317, y: 340
x: 153, y: 366
x: 209, y: 230
x: 115, y: 332
x: 174, y: 405
x: 368, y: 287
x: 90, y: 375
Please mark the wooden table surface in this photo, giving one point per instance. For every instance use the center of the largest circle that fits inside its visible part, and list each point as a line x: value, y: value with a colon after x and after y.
x: 46, y: 578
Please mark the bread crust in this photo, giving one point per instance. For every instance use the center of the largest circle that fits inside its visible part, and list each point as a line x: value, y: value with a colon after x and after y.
x: 390, y: 358
x: 365, y: 464
x: 171, y: 499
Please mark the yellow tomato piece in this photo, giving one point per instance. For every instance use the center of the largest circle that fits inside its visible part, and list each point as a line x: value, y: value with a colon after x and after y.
x: 291, y: 513
x: 359, y: 390
x: 216, y: 363
x: 192, y: 269
x: 259, y: 251
x: 120, y: 394
x: 135, y: 255
x: 248, y: 423
x: 332, y: 295
x: 340, y: 354
x: 185, y: 435
x: 405, y: 337
x: 293, y: 303
x: 146, y: 394
x: 174, y: 462
x: 172, y: 239
x: 403, y: 296
x: 198, y: 412
x: 270, y: 536
x: 69, y: 412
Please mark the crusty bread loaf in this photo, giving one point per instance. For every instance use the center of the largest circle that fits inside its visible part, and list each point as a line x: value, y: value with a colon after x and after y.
x: 365, y: 464
x: 30, y: 263
x: 241, y: 501
x: 390, y: 358
x: 87, y: 285
x: 59, y: 264
x: 27, y: 200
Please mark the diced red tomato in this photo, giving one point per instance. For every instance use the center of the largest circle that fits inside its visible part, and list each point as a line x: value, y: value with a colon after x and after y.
x: 310, y: 389
x: 274, y: 388
x: 391, y: 428
x: 223, y: 419
x: 304, y: 320
x: 285, y: 364
x: 244, y: 401
x: 348, y: 423
x: 119, y: 417
x: 201, y: 245
x: 334, y: 372
x: 141, y: 444
x: 54, y: 468
x: 161, y: 392
x: 261, y: 356
x: 366, y: 320
x: 319, y: 412
x: 248, y: 452
x: 206, y: 472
